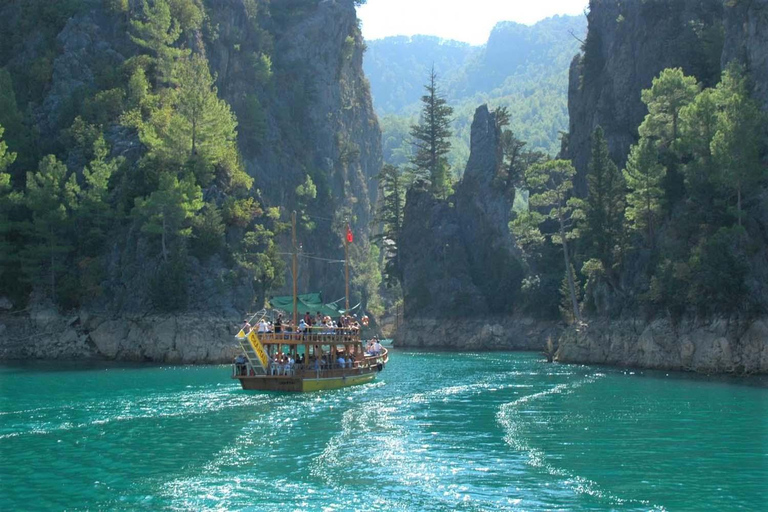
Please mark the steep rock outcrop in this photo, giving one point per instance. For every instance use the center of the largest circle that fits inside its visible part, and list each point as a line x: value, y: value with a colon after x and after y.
x: 628, y: 44
x: 746, y: 41
x: 460, y: 266
x: 318, y: 116
x: 714, y: 346
x: 483, y: 208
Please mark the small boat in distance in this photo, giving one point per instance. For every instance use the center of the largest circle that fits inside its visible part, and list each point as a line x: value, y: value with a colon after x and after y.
x: 307, y: 358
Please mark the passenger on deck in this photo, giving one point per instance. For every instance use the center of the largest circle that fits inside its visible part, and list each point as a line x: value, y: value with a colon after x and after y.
x: 341, y: 361
x: 246, y: 328
x: 303, y: 326
x: 377, y: 348
x: 279, y: 324
x: 263, y: 326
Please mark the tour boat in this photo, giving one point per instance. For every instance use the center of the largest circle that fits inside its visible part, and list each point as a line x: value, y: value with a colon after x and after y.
x: 316, y: 359
x: 320, y: 368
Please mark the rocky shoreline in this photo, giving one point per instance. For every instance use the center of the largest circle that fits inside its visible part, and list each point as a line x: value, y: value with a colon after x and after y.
x: 723, y: 345
x: 42, y: 333
x: 719, y: 346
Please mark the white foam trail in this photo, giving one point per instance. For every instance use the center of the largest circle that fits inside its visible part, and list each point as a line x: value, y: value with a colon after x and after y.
x: 511, y: 421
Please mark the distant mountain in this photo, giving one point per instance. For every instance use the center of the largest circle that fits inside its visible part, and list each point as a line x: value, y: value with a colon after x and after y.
x: 522, y: 67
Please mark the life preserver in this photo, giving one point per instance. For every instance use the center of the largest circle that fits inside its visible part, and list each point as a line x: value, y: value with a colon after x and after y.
x: 365, y: 320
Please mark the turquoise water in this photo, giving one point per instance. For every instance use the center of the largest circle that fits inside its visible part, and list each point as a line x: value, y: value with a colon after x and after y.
x: 436, y: 431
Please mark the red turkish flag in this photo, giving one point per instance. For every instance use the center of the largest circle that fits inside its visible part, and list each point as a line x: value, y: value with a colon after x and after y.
x: 350, y: 238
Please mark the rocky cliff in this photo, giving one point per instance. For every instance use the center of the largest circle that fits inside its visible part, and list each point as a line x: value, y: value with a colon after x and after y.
x: 746, y: 40
x: 627, y: 45
x: 461, y: 270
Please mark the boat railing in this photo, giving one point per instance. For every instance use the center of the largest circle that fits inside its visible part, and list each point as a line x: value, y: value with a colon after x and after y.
x: 367, y: 363
x: 338, y: 336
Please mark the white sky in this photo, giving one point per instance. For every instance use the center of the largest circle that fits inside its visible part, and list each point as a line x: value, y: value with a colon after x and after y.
x: 464, y: 20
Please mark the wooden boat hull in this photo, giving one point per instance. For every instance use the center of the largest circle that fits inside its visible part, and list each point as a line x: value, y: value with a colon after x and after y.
x: 299, y: 384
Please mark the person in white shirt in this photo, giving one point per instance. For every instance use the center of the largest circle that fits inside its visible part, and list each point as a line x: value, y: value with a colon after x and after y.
x: 263, y: 327
x: 377, y: 347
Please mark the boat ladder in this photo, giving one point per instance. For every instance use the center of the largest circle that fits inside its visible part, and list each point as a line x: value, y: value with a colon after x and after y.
x: 250, y: 354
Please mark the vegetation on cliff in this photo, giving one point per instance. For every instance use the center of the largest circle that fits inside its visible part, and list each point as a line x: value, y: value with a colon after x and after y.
x: 145, y: 143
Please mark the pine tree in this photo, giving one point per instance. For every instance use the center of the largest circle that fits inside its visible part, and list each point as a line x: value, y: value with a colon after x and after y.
x: 644, y: 176
x: 736, y: 143
x: 670, y: 93
x: 566, y: 304
x: 603, y: 226
x: 553, y: 182
x: 52, y: 198
x: 390, y: 216
x: 197, y: 130
x: 431, y: 139
x: 169, y: 211
x: 157, y: 34
x: 6, y: 203
x: 96, y: 214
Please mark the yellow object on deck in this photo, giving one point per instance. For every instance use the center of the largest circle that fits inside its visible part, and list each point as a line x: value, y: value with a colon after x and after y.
x: 259, y: 349
x: 240, y: 335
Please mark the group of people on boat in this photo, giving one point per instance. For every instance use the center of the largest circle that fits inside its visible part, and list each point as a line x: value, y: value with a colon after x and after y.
x: 373, y: 347
x: 318, y: 324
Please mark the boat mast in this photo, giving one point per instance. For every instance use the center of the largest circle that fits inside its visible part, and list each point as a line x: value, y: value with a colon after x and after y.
x: 346, y: 272
x: 295, y: 271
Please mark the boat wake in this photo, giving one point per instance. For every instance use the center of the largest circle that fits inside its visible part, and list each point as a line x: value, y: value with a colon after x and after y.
x: 512, y: 417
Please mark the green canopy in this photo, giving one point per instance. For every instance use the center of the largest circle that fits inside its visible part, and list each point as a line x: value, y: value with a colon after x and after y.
x: 312, y: 302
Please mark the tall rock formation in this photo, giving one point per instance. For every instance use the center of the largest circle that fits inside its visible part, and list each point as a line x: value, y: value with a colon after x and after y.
x: 461, y: 271
x: 318, y: 117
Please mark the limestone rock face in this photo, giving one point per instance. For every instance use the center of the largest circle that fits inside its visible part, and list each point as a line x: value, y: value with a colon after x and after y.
x: 164, y: 339
x: 714, y: 346
x: 319, y: 119
x: 482, y: 333
x: 746, y: 41
x: 628, y: 44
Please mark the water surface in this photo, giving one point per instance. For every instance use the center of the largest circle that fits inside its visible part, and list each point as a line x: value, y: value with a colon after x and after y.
x: 436, y: 431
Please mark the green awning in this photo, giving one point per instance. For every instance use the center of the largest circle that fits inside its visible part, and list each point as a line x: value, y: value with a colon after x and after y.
x: 312, y: 302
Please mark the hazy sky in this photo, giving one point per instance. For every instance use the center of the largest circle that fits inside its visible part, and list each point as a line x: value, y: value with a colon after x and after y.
x: 463, y: 20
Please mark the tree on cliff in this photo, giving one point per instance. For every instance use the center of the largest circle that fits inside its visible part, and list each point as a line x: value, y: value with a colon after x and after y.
x: 157, y: 33
x: 389, y: 215
x: 431, y: 138
x: 669, y: 94
x: 736, y: 143
x: 551, y: 184
x: 644, y: 175
x: 52, y: 197
x: 603, y: 225
x: 6, y: 203
x: 169, y: 211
